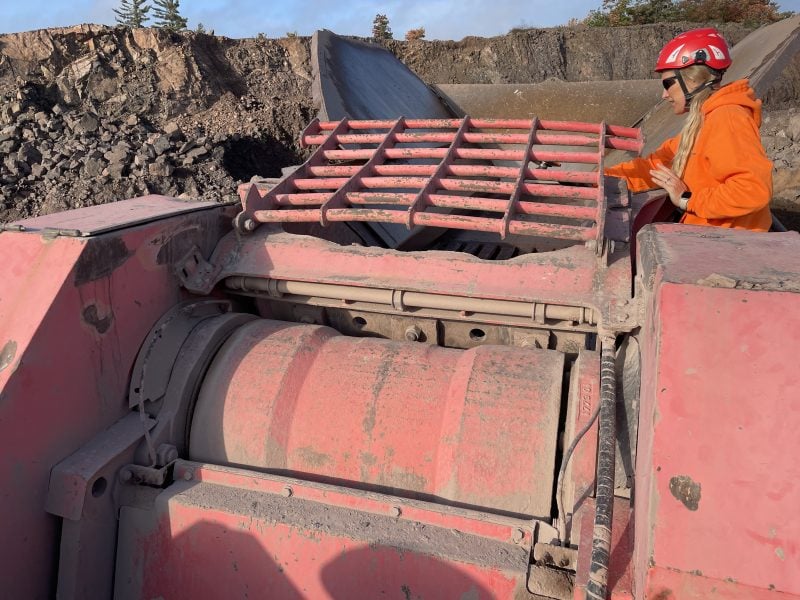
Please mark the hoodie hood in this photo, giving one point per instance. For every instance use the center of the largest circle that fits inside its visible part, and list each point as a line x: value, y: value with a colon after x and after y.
x: 738, y: 93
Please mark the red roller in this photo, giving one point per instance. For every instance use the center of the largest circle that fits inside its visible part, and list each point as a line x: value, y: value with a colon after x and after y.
x: 475, y: 428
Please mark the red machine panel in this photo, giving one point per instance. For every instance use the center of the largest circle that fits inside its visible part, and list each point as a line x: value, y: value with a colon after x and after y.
x: 73, y: 313
x: 717, y: 473
x: 474, y: 428
x: 228, y: 533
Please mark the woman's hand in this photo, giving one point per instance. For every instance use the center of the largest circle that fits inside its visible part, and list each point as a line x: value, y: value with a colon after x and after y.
x: 667, y: 179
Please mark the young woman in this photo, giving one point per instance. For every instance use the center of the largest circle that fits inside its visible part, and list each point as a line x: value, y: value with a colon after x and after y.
x: 716, y: 169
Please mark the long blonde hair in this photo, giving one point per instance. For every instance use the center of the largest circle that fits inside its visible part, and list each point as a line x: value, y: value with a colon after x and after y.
x: 697, y: 75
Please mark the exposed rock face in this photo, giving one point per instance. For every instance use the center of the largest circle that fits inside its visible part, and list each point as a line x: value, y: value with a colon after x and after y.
x: 533, y: 55
x: 93, y: 114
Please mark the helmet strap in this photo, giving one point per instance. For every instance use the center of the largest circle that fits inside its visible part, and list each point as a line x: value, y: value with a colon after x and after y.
x: 690, y: 95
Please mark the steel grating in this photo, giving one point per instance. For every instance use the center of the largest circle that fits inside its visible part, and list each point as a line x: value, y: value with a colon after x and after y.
x: 450, y: 173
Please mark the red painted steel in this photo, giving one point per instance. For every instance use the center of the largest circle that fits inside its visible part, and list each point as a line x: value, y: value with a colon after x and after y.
x: 73, y: 312
x: 570, y: 276
x: 716, y: 475
x: 620, y: 569
x: 350, y: 185
x: 243, y: 533
x: 475, y: 428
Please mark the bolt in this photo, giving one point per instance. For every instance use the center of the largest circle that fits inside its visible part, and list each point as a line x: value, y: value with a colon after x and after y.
x: 395, y: 511
x: 413, y: 333
x: 287, y: 492
x: 126, y: 474
x: 517, y: 536
x: 249, y: 225
x: 188, y: 475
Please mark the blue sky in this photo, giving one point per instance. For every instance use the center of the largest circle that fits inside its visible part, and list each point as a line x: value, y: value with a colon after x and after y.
x: 442, y: 19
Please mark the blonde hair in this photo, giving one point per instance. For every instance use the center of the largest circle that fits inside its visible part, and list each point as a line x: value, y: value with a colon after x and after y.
x: 697, y: 75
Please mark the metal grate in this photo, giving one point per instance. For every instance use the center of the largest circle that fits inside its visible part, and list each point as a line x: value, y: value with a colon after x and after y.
x: 450, y: 173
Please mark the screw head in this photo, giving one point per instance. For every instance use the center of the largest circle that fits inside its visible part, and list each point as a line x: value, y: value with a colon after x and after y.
x: 287, y: 492
x: 413, y: 333
x: 517, y: 536
x: 249, y: 225
x: 188, y: 475
x: 395, y: 511
x: 126, y: 475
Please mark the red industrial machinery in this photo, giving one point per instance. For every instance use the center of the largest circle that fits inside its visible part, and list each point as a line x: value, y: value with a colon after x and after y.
x: 381, y: 377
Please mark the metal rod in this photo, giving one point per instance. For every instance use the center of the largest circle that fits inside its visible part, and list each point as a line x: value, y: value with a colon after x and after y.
x: 447, y: 137
x: 411, y: 300
x: 589, y: 177
x: 629, y: 132
x: 466, y: 153
x: 596, y: 587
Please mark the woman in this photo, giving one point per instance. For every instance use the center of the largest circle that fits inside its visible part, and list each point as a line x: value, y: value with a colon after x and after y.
x: 716, y: 169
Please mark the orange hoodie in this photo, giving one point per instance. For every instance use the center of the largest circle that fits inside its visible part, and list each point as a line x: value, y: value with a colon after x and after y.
x: 728, y: 171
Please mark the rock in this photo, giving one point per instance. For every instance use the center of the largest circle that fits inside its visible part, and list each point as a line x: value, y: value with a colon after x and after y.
x: 93, y: 167
x: 197, y: 153
x: 28, y: 154
x: 173, y: 131
x: 158, y: 169
x: 89, y: 123
x: 793, y: 128
x: 160, y: 144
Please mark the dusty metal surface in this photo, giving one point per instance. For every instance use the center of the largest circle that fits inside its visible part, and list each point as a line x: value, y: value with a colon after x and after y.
x: 94, y: 220
x: 620, y: 568
x: 357, y: 80
x: 245, y: 532
x: 470, y: 428
x: 617, y: 102
x: 73, y: 312
x: 82, y: 490
x: 719, y: 413
x: 568, y: 277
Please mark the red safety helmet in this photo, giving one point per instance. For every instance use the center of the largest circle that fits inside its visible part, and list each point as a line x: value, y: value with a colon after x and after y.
x: 695, y: 47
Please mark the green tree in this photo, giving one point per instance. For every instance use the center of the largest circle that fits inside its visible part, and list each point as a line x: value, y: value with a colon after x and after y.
x: 168, y: 16
x: 749, y: 12
x: 380, y: 28
x: 132, y: 13
x: 614, y: 13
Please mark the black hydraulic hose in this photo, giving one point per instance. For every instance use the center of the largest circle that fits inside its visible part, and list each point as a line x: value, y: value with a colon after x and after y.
x: 596, y: 587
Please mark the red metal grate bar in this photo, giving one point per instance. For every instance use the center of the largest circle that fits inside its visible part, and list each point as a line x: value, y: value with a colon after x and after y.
x: 513, y: 202
x: 602, y: 203
x: 460, y: 170
x: 575, y: 126
x: 381, y: 191
x: 338, y: 199
x: 435, y: 181
x: 540, y: 156
x: 439, y: 201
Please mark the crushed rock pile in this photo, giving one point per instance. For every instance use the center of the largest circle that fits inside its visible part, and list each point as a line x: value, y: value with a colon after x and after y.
x: 93, y: 114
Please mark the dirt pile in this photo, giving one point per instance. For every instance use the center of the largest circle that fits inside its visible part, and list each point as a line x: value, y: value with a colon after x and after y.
x: 93, y: 114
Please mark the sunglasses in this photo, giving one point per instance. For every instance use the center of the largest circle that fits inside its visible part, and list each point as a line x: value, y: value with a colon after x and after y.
x: 668, y: 82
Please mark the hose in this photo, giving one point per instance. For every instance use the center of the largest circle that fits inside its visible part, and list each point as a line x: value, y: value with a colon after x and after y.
x: 562, y: 521
x: 596, y: 587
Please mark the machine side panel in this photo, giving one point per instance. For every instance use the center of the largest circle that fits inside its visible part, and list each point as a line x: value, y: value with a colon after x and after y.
x: 235, y: 534
x: 717, y: 491
x: 73, y: 313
